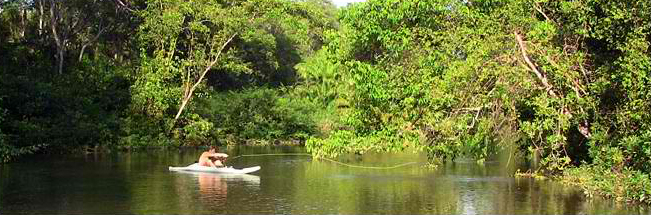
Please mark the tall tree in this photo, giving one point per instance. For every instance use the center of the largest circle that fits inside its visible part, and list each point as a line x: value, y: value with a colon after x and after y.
x: 183, y: 41
x: 15, y: 13
x: 77, y: 24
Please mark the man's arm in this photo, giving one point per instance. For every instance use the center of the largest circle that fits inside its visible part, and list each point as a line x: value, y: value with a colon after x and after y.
x: 219, y: 155
x: 212, y: 164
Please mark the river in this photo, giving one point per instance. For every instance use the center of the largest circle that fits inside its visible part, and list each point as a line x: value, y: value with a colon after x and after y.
x: 140, y: 183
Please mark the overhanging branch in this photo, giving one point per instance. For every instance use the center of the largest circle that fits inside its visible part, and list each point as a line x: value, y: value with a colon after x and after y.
x: 212, y: 63
x: 583, y: 127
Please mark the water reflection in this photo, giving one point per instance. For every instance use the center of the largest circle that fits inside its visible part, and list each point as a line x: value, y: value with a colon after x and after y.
x: 140, y: 183
x: 213, y: 187
x: 213, y: 190
x: 467, y: 201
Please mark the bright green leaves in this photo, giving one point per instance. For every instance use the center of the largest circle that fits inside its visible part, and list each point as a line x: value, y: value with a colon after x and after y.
x: 162, y: 22
x: 383, y: 29
x: 258, y: 41
x: 151, y: 93
x: 619, y: 34
x: 321, y: 78
x: 371, y: 96
x: 345, y: 141
x: 184, y: 40
x: 369, y: 83
x: 389, y: 60
x: 180, y: 38
x: 453, y: 72
x: 197, y: 130
x: 543, y: 32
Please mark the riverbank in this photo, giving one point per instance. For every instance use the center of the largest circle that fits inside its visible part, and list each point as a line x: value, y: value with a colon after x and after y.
x: 627, y: 186
x: 624, y: 185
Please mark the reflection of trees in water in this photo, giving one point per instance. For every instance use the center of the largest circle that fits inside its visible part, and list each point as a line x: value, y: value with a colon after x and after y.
x: 343, y: 190
x: 213, y: 190
x: 467, y: 201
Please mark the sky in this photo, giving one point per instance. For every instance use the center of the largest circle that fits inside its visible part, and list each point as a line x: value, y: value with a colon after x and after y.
x: 341, y: 3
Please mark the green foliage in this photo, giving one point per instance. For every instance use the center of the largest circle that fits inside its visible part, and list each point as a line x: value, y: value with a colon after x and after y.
x: 319, y: 78
x: 197, y: 130
x: 260, y: 115
x: 2, y: 135
x: 341, y: 142
x: 47, y: 112
x: 456, y: 74
x: 62, y: 112
x: 626, y: 185
x: 181, y: 42
x: 137, y: 131
x: 9, y: 152
x: 121, y: 89
x: 570, y: 77
x: 396, y: 82
x: 151, y: 93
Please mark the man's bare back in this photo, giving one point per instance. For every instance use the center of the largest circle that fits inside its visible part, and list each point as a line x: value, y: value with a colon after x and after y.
x: 212, y: 159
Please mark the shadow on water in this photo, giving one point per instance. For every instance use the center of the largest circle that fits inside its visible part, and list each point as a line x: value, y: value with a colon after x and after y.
x: 140, y: 183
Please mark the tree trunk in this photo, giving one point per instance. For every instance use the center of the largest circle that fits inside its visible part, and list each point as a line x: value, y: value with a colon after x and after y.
x: 81, y: 52
x: 60, y: 58
x: 40, y: 18
x: 23, y: 25
x: 185, y: 101
x: 59, y: 43
x: 83, y: 48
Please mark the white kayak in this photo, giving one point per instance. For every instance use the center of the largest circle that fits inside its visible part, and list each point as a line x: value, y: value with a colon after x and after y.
x: 226, y: 170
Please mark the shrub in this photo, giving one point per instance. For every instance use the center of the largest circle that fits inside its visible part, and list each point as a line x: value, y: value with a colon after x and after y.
x: 260, y: 114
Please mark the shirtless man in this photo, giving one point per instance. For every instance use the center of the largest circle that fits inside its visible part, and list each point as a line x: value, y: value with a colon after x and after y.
x: 212, y: 159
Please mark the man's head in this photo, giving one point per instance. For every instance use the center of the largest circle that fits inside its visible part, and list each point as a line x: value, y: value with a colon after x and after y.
x: 212, y: 149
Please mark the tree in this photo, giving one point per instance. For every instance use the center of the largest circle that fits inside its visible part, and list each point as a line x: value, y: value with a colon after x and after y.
x: 184, y: 41
x: 78, y: 24
x: 15, y: 12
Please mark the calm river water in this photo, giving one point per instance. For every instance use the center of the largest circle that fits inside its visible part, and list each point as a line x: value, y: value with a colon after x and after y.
x: 140, y: 183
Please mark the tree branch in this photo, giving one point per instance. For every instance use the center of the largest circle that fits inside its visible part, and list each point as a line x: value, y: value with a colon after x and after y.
x: 475, y: 119
x: 203, y: 74
x: 211, y: 64
x: 123, y: 5
x: 537, y: 7
x: 583, y: 127
x: 541, y: 76
x: 83, y: 47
